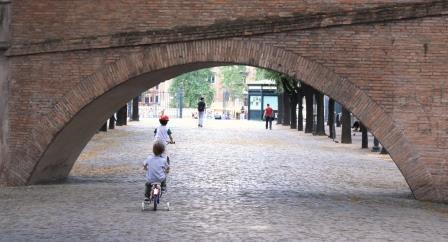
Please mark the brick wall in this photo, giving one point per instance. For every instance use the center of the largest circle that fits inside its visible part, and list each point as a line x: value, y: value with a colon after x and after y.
x: 48, y: 19
x: 400, y: 64
x: 4, y: 43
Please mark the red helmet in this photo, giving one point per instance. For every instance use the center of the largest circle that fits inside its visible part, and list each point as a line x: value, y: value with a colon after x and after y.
x: 164, y: 118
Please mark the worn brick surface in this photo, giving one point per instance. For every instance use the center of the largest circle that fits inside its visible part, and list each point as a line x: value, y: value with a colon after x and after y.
x: 392, y: 74
x: 48, y: 20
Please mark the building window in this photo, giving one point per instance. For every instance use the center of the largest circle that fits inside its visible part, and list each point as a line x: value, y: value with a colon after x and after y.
x: 157, y: 99
x: 151, y: 99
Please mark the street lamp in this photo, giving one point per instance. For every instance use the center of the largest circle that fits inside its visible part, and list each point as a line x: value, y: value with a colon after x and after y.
x: 180, y: 96
x: 225, y: 99
x: 244, y: 74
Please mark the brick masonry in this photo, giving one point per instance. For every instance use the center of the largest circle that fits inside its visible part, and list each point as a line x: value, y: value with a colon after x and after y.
x: 390, y: 72
x: 4, y: 72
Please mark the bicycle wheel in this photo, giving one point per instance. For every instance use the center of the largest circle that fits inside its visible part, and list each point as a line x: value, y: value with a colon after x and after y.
x: 156, y: 199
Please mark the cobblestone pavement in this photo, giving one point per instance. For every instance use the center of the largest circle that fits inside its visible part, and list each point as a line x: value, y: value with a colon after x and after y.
x: 231, y: 180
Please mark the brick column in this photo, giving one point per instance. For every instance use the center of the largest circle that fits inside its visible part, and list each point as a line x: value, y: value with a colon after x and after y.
x: 4, y: 72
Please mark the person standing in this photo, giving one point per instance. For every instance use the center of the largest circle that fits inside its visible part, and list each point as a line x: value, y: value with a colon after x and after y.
x: 201, y: 112
x: 268, y: 116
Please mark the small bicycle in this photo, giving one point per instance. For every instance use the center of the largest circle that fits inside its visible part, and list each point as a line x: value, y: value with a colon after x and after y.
x: 156, y: 192
x: 154, y: 197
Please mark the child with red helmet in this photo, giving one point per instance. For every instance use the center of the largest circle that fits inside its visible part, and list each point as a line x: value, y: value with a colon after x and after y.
x: 163, y: 133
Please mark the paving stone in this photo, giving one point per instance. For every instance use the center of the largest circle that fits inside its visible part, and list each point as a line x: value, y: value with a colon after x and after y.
x: 231, y: 180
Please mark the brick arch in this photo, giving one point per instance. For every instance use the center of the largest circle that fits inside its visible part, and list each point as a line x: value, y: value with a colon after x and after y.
x: 103, y: 92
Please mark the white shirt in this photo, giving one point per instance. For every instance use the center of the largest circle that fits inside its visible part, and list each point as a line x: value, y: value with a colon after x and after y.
x: 162, y: 134
x: 157, y: 167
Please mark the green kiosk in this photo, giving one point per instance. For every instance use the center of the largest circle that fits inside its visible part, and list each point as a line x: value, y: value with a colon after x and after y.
x: 259, y: 94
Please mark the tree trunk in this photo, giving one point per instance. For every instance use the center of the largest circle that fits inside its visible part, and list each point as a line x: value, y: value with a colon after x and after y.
x: 112, y: 122
x: 135, y: 115
x: 330, y: 122
x: 309, y: 110
x: 122, y: 115
x: 365, y: 139
x: 104, y: 127
x: 346, y: 136
x: 281, y: 109
x: 300, y: 119
x: 320, y: 124
x: 293, y: 110
x: 286, y: 112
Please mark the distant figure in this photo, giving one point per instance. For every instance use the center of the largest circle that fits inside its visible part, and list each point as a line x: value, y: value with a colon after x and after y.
x: 242, y: 115
x: 268, y: 116
x: 201, y: 112
x: 356, y: 126
x: 338, y: 120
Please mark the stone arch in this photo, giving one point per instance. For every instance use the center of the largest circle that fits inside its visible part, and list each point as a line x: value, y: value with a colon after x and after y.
x: 103, y: 92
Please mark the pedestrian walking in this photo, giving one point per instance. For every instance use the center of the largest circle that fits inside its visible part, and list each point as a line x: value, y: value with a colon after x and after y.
x: 243, y: 113
x: 268, y: 116
x: 201, y: 112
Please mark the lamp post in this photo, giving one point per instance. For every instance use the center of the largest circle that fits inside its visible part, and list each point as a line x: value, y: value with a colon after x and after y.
x: 244, y: 74
x: 225, y: 99
x: 180, y: 96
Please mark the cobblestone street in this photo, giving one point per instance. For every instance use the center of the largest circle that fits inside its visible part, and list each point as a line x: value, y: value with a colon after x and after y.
x: 231, y: 180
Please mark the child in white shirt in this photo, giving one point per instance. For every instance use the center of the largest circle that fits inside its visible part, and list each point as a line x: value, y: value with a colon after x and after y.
x: 156, y: 167
x: 163, y: 133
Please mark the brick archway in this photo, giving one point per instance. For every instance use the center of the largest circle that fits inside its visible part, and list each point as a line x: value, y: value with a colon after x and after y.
x: 60, y: 141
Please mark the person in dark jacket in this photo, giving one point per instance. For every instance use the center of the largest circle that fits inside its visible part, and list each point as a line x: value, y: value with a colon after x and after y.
x: 201, y: 112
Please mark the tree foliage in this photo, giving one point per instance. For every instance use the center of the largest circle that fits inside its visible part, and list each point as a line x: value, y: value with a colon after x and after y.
x: 284, y: 82
x: 194, y: 84
x: 234, y: 80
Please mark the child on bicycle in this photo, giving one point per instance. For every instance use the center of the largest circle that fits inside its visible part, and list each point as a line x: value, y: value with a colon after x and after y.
x: 156, y: 167
x: 163, y: 134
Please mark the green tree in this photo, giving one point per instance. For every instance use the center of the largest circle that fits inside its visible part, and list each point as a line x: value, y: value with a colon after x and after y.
x: 234, y: 81
x: 194, y: 84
